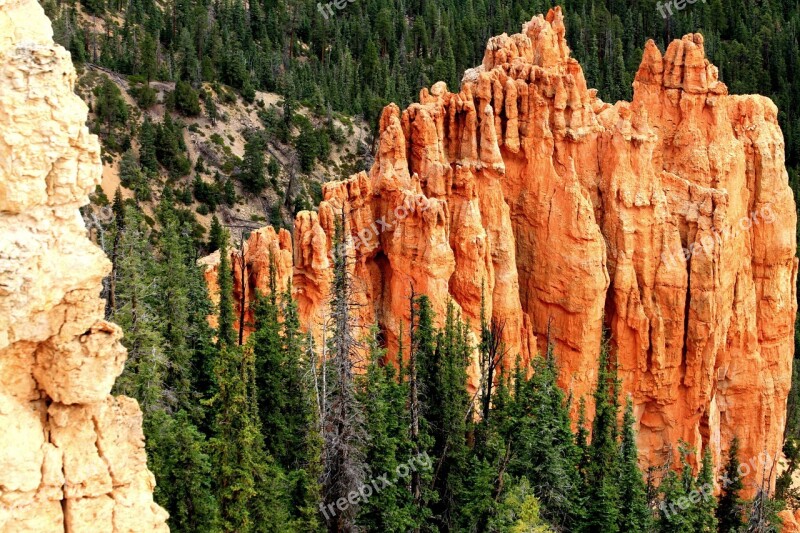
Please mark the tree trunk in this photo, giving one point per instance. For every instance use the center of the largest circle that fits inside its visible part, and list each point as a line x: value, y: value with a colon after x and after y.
x: 242, y: 298
x: 416, y: 483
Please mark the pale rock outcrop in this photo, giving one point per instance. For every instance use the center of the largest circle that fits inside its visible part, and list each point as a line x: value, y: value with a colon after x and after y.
x: 668, y: 220
x: 72, y: 457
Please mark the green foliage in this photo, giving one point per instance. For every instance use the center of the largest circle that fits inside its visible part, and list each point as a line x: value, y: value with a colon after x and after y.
x: 546, y: 450
x: 273, y: 168
x: 173, y: 305
x: 442, y: 359
x: 131, y: 176
x: 387, y: 419
x: 519, y: 511
x: 603, y: 497
x: 145, y: 96
x: 178, y: 456
x: 134, y: 311
x: 730, y: 508
x: 99, y: 197
x: 170, y: 148
x: 216, y: 234
x: 111, y: 112
x: 147, y: 147
x: 705, y: 519
x: 687, y: 503
x: 312, y: 144
x: 250, y: 487
x: 211, y: 106
x: 283, y: 401
x: 94, y: 7
x: 634, y: 514
x: 206, y: 193
x: 252, y: 175
x: 184, y: 100
x: 169, y: 344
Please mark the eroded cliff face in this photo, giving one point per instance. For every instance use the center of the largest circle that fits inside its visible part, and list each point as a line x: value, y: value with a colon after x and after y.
x: 669, y: 219
x: 72, y: 457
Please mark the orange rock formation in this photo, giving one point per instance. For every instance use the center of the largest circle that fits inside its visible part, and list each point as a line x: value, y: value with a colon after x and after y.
x: 669, y: 219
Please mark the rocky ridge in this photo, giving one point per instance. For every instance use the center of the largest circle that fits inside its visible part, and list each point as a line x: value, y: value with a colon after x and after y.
x: 72, y: 456
x: 669, y: 219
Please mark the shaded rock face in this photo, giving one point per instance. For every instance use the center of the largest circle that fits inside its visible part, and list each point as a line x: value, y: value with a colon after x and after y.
x: 72, y: 457
x: 668, y: 220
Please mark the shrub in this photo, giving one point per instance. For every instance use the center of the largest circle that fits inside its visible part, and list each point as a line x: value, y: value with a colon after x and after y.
x: 185, y: 99
x: 145, y: 96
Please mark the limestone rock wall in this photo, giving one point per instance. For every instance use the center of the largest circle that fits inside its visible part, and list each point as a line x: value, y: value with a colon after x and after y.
x: 72, y: 457
x: 669, y: 219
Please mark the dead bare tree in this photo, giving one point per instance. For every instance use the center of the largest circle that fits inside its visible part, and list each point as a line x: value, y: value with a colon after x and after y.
x: 416, y: 481
x: 242, y: 260
x: 760, y: 508
x: 492, y: 355
x: 343, y: 425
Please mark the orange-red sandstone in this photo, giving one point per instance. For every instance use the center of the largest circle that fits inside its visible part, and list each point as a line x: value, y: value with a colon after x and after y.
x: 569, y: 211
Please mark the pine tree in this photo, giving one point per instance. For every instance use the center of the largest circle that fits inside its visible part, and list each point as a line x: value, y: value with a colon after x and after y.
x: 672, y: 518
x: 582, y: 437
x: 446, y: 412
x: 147, y: 147
x: 252, y: 175
x: 118, y: 208
x: 178, y: 457
x: 546, y: 452
x: 302, y: 463
x: 420, y: 371
x: 250, y: 487
x: 603, y: 497
x: 110, y: 107
x: 170, y: 148
x: 634, y: 516
x: 173, y: 305
x: 282, y: 399
x: 199, y: 339
x: 386, y: 422
x: 705, y: 520
x: 679, y: 496
x: 493, y: 440
x: 143, y: 377
x: 729, y: 510
x: 216, y: 234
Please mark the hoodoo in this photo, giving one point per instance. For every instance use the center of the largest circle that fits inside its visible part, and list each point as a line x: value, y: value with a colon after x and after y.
x: 72, y: 456
x: 668, y: 220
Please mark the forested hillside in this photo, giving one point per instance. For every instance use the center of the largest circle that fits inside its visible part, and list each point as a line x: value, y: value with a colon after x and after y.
x: 234, y: 429
x: 372, y: 52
